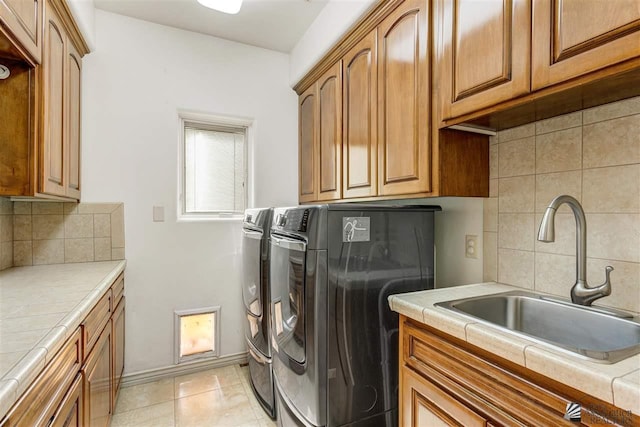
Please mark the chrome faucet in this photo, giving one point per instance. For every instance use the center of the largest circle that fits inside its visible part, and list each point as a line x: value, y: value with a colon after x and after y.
x: 581, y: 293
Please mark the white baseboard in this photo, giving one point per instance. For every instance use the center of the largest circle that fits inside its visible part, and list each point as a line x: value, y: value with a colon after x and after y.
x: 182, y: 369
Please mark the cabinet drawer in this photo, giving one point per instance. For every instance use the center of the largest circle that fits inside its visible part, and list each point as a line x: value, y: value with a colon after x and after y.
x: 95, y: 322
x: 117, y: 290
x: 481, y: 384
x: 39, y: 403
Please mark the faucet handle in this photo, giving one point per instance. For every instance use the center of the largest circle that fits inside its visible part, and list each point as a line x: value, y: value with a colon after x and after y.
x: 607, y: 282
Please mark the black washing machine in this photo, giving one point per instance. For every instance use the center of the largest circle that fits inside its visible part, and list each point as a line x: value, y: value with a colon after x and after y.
x: 256, y: 297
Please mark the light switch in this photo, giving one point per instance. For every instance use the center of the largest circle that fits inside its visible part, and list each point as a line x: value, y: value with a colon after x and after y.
x: 158, y: 214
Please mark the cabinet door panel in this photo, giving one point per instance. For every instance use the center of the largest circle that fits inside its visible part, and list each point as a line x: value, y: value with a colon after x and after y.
x: 360, y: 139
x: 484, y: 54
x: 307, y: 137
x: 330, y: 133
x: 97, y: 386
x: 52, y: 165
x: 574, y: 37
x: 424, y: 404
x: 70, y: 412
x: 403, y: 101
x: 73, y: 122
x: 22, y: 17
x: 118, y: 348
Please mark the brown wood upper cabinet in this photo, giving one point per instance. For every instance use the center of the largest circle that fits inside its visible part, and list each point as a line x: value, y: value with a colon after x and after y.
x: 403, y: 101
x: 575, y: 37
x: 320, y: 138
x: 483, y: 56
x: 21, y: 19
x: 60, y: 145
x: 360, y: 120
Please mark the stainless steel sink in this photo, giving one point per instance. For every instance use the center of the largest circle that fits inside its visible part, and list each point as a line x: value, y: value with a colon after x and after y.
x: 588, y: 331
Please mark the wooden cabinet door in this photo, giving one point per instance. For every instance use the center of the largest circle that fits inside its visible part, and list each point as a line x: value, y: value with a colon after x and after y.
x: 97, y: 382
x: 403, y: 101
x: 424, y: 404
x: 118, y: 348
x: 307, y: 123
x: 575, y: 37
x: 360, y: 120
x: 53, y: 146
x: 72, y: 122
x: 483, y: 54
x: 329, y: 129
x: 69, y: 413
x: 23, y: 19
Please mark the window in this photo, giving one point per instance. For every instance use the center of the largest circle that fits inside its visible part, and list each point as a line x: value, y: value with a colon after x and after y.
x: 213, y: 173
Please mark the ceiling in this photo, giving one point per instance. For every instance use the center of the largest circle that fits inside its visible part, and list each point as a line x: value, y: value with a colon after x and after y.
x: 271, y: 24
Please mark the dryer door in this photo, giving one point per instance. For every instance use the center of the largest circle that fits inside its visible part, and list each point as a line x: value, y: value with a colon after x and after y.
x: 257, y: 323
x: 287, y: 271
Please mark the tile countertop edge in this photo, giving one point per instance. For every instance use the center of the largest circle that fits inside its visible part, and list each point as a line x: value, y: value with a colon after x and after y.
x: 18, y: 379
x: 544, y: 359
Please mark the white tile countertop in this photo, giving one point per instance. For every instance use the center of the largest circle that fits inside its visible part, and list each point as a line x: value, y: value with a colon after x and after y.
x: 617, y: 383
x: 40, y: 307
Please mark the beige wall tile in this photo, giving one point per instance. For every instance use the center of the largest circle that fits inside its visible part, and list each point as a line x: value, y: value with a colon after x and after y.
x: 47, y: 227
x: 493, y: 161
x: 555, y: 274
x: 614, y: 189
x: 516, y: 268
x: 551, y: 185
x: 102, y: 247
x: 48, y: 251
x: 490, y: 257
x: 22, y: 227
x: 613, y: 110
x: 565, y: 243
x: 78, y: 250
x: 565, y: 121
x: 98, y: 208
x: 6, y: 228
x: 46, y: 208
x: 614, y: 236
x: 559, y: 151
x: 493, y: 139
x: 493, y: 188
x: 611, y: 143
x: 117, y: 253
x: 117, y: 227
x: 516, y: 194
x: 70, y: 208
x: 517, y: 157
x: 22, y: 208
x: 519, y: 132
x: 101, y: 225
x: 6, y: 255
x: 77, y: 226
x: 490, y: 214
x: 22, y: 254
x: 625, y: 283
x: 6, y: 206
x: 516, y: 231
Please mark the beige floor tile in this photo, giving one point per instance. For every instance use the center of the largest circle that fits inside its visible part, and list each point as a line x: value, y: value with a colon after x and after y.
x: 200, y: 382
x: 160, y: 415
x: 227, y: 406
x: 142, y: 395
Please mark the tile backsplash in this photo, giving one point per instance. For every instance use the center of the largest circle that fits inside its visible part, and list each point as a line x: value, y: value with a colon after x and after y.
x: 592, y: 155
x: 58, y: 233
x: 6, y: 233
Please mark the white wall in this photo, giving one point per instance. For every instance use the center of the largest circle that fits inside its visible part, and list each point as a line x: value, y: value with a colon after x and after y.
x: 334, y: 21
x: 83, y: 12
x: 133, y: 83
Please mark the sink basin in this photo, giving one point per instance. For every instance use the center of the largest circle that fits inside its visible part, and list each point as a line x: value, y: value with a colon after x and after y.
x: 589, y: 332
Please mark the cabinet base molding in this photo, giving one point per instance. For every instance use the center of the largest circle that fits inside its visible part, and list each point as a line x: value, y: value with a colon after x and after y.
x: 182, y: 369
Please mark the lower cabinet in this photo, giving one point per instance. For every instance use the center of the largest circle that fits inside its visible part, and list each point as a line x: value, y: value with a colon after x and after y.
x: 79, y: 386
x: 447, y: 382
x: 97, y: 382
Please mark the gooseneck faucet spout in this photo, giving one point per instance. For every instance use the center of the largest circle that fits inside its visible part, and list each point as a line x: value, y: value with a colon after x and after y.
x: 581, y: 293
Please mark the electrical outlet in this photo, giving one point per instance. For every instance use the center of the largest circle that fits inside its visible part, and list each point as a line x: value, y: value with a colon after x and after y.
x: 471, y: 246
